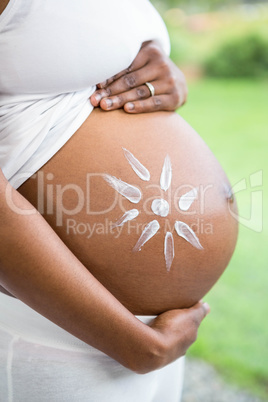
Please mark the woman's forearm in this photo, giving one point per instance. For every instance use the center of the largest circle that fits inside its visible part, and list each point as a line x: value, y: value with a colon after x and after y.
x: 37, y: 268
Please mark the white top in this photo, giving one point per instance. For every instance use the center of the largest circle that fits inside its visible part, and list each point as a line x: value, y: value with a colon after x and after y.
x: 52, y: 54
x: 40, y: 361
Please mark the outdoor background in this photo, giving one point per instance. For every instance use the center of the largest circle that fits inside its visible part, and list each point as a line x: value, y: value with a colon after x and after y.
x: 222, y: 47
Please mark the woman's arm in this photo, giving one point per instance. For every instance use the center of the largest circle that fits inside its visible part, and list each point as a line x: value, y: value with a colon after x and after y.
x: 37, y: 268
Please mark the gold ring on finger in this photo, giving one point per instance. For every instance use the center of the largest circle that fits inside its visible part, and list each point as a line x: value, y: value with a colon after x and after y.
x: 151, y: 88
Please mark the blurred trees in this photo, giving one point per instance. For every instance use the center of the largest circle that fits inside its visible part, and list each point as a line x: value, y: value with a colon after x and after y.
x: 246, y: 56
x: 230, y: 41
x: 197, y: 4
x: 204, y: 3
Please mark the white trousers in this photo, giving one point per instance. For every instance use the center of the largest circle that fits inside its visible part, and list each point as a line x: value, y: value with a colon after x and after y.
x: 41, y: 362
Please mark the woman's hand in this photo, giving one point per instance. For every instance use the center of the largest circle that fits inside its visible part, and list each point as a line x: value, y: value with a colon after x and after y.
x: 127, y: 89
x: 177, y: 330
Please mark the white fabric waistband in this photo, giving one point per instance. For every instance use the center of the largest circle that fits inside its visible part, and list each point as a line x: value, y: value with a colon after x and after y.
x: 19, y: 319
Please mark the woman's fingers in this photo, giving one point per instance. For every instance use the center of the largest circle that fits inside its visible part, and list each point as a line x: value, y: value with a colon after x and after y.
x: 200, y: 310
x: 145, y: 67
x: 126, y: 83
x: 140, y: 61
x: 192, y: 322
x: 137, y: 94
x: 152, y: 104
x: 131, y: 88
x: 118, y: 101
x: 177, y: 329
x: 115, y: 77
x: 196, y: 314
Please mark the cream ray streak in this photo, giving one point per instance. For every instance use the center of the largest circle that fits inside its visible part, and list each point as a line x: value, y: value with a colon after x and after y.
x: 149, y: 231
x: 128, y: 216
x: 166, y: 175
x: 130, y: 192
x: 188, y: 234
x: 160, y: 207
x: 169, y: 250
x: 187, y: 199
x: 138, y: 168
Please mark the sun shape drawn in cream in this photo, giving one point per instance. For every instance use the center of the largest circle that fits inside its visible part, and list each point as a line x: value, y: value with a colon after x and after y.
x: 160, y: 207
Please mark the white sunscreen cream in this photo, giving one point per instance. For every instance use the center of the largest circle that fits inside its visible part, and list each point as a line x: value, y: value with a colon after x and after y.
x: 138, y: 168
x: 128, y: 216
x: 130, y: 192
x: 160, y: 207
x: 187, y: 199
x: 166, y: 175
x: 188, y: 234
x: 149, y: 231
x: 169, y: 250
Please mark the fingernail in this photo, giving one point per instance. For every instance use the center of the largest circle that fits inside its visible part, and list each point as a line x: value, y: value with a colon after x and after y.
x: 207, y: 308
x: 130, y: 106
x: 97, y: 97
x: 108, y: 103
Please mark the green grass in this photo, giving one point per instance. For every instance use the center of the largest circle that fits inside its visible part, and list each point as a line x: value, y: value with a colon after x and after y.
x: 231, y: 116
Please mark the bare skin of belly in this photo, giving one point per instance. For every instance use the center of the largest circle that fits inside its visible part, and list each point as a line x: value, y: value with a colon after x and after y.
x: 72, y: 195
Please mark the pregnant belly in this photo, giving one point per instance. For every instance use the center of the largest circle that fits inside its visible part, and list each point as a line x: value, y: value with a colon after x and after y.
x: 159, y: 238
